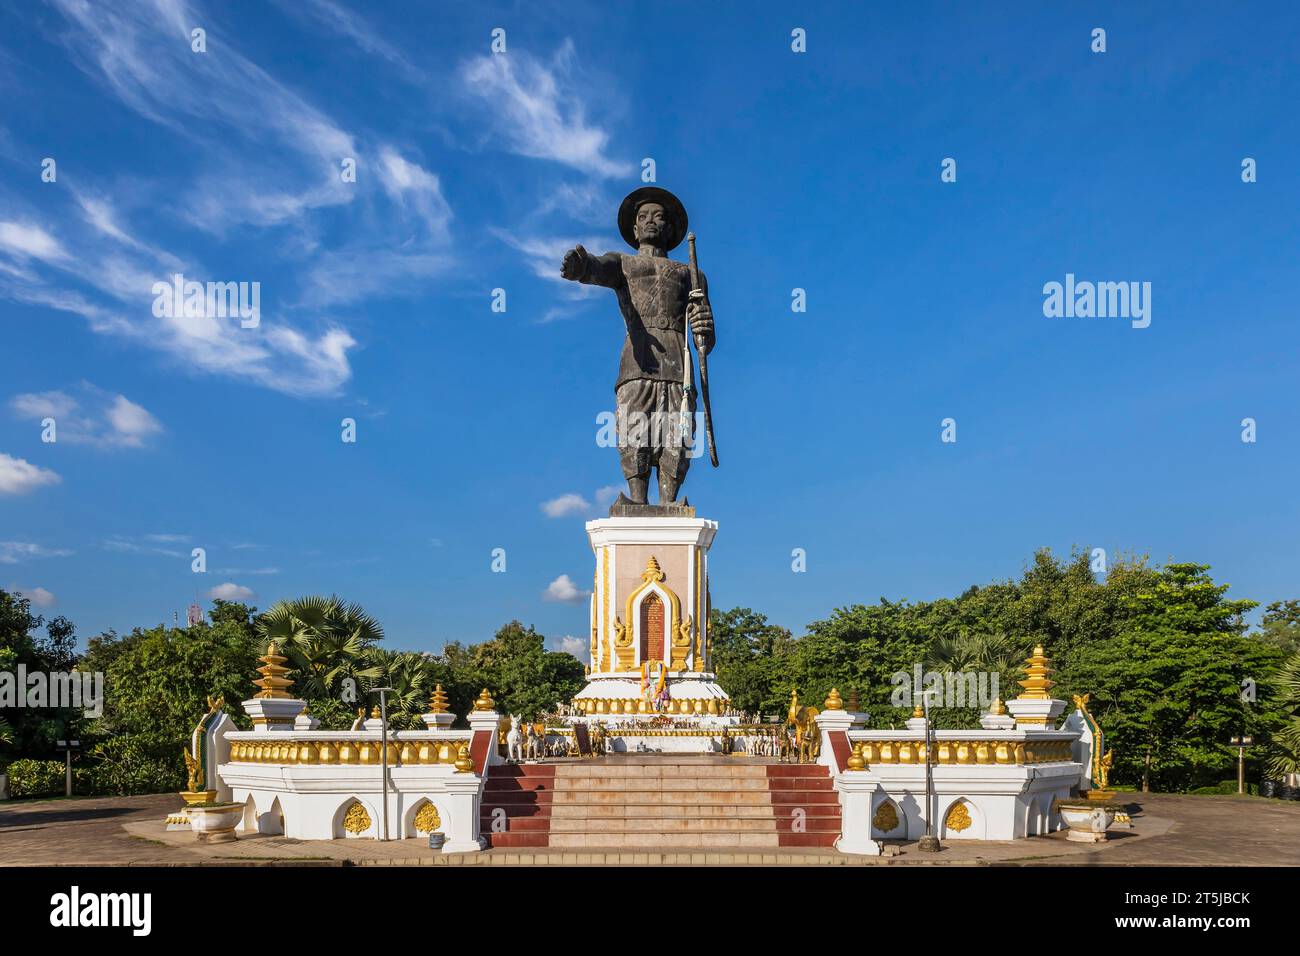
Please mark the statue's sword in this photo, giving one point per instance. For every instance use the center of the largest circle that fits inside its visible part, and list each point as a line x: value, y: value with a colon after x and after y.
x: 697, y: 295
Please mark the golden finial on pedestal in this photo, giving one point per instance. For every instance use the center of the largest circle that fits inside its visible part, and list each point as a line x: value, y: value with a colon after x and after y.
x: 997, y: 708
x: 652, y: 571
x: 374, y: 712
x: 1036, y: 684
x: 918, y: 711
x: 833, y: 701
x: 853, y: 700
x: 273, y: 682
x: 464, y: 762
x: 857, y: 761
x: 438, y: 702
x: 484, y: 701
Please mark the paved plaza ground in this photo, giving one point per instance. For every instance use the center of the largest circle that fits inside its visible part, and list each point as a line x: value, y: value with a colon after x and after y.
x: 1169, y: 829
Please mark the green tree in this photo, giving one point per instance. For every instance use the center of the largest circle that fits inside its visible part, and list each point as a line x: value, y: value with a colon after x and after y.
x: 34, y: 731
x: 1167, y: 688
x: 524, y: 677
x: 326, y: 641
x: 1280, y: 626
x: 1284, y: 750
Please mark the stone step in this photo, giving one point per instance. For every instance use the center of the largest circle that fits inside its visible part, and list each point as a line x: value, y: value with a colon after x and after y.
x: 641, y: 771
x: 662, y: 785
x: 660, y: 840
x: 665, y: 826
x: 691, y: 797
x: 579, y: 811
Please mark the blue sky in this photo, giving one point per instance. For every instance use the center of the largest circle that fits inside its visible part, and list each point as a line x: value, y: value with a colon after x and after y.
x: 816, y: 170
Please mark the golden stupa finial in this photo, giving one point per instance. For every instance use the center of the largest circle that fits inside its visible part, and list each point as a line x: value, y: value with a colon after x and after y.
x: 1036, y: 684
x: 857, y: 760
x: 997, y: 708
x: 918, y: 710
x: 484, y: 701
x: 438, y: 701
x: 652, y: 571
x: 273, y: 681
x: 464, y: 762
x: 833, y: 701
x: 853, y: 700
x: 374, y: 712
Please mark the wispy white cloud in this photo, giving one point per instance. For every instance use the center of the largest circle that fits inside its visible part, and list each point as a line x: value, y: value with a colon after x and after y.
x: 125, y: 545
x: 569, y: 644
x: 230, y: 591
x: 565, y: 505
x: 112, y: 421
x: 348, y: 24
x: 564, y: 591
x: 12, y: 552
x: 18, y: 476
x: 26, y: 240
x: 40, y: 597
x: 538, y: 109
x: 269, y: 159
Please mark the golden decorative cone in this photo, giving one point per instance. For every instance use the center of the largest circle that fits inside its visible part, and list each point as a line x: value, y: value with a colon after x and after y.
x: 438, y: 702
x: 374, y: 712
x: 652, y: 571
x: 853, y: 700
x: 1036, y: 684
x: 997, y: 708
x: 918, y: 711
x: 484, y: 701
x: 464, y: 762
x: 273, y: 682
x: 833, y: 701
x: 857, y: 761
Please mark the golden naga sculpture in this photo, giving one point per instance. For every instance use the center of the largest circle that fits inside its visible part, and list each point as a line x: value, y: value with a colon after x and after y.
x: 1103, y: 769
x: 195, y: 771
x: 958, y: 817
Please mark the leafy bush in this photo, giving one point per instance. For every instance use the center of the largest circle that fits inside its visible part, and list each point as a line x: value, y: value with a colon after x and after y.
x: 140, y: 763
x: 35, y: 778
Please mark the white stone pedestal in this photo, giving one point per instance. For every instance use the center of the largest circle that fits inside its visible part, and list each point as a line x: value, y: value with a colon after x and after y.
x: 649, y: 613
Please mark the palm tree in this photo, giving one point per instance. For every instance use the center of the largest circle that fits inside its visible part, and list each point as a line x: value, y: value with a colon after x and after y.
x: 412, y: 677
x: 1285, y: 751
x: 326, y: 641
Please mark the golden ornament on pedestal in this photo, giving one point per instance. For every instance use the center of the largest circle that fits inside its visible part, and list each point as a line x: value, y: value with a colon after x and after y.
x: 484, y: 701
x: 273, y: 683
x: 1036, y: 685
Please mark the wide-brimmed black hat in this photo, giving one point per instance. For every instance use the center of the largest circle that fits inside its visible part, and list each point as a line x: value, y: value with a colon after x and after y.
x: 638, y: 197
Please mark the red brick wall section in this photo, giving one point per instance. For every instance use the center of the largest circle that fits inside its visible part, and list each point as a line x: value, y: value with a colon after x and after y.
x: 479, y: 746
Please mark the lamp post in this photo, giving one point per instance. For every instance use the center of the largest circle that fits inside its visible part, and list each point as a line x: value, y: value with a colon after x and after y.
x: 1241, y: 743
x: 383, y: 753
x: 928, y: 843
x: 67, y: 746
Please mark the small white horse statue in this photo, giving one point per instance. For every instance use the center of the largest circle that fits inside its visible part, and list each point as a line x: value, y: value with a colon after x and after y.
x: 514, y: 741
x: 533, y: 743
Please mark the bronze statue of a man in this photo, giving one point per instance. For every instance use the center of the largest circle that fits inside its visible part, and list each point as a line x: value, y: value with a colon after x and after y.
x: 658, y: 302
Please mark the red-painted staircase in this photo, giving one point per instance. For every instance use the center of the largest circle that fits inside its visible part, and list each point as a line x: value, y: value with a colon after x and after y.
x: 660, y: 801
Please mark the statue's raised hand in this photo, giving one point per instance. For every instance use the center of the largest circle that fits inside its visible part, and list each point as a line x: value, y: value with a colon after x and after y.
x: 575, y: 263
